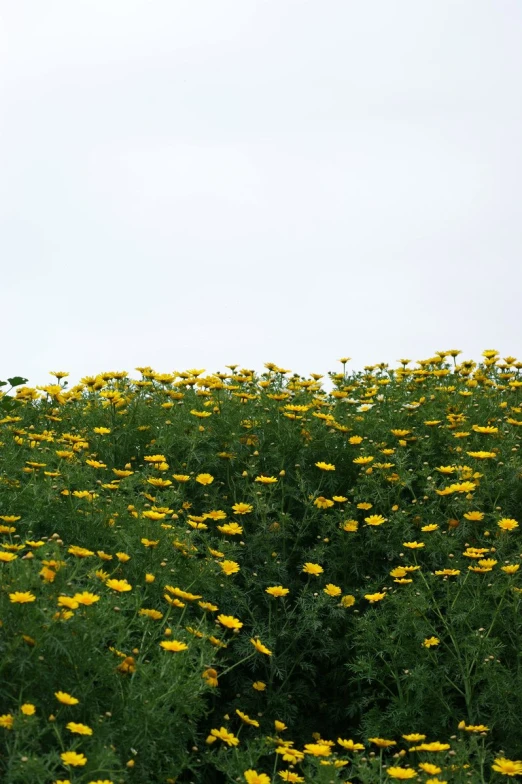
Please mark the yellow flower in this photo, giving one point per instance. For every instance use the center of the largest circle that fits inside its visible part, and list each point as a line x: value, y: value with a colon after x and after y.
x: 68, y: 601
x: 427, y: 767
x: 122, y: 473
x: 280, y: 726
x: 86, y: 598
x: 79, y: 729
x: 290, y: 755
x: 6, y: 721
x: 259, y: 686
x: 253, y: 777
x: 476, y: 516
x: 158, y: 482
x: 277, y: 590
x: 375, y: 520
x: 208, y: 606
x: 429, y: 528
x: 181, y: 477
x: 348, y: 600
x: 266, y: 480
x: 204, y: 479
x: 149, y: 578
x: 507, y: 767
x: 475, y: 552
x: 510, y: 568
x: 155, y: 615
x: 325, y: 466
x: 382, y: 743
x: 507, y: 524
x: 65, y: 699
x: 175, y: 646
x: 242, y: 508
x: 79, y: 552
x: 63, y: 615
x: 150, y: 542
x: 28, y: 709
x: 215, y: 514
x: 73, y: 758
x: 332, y: 590
x: 223, y: 734
x: 95, y: 464
x: 323, y: 503
x: 7, y: 557
x: 363, y: 460
x: 429, y: 642
x: 231, y: 529
x: 487, y: 563
x: 415, y: 737
x: 413, y: 545
x: 313, y: 568
x: 229, y: 567
x: 190, y: 597
x: 374, y: 597
x: 229, y: 621
x: 118, y: 585
x: 289, y: 775
x: 21, y: 597
x: 350, y: 745
x: 151, y: 515
x: 463, y: 487
x: 434, y: 746
x: 401, y: 773
x: 173, y: 602
x: 364, y: 505
x: 246, y: 719
x: 318, y: 749
x: 350, y: 526
x: 210, y: 677
x: 447, y: 572
x: 108, y: 781
x: 258, y: 645
x: 481, y: 455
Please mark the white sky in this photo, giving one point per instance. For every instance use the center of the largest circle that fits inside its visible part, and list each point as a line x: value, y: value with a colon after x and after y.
x: 191, y: 183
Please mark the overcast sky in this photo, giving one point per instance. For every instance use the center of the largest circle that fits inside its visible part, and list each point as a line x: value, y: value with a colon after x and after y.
x: 191, y: 183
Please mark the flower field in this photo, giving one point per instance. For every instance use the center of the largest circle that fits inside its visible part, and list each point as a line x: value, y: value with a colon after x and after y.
x: 263, y: 577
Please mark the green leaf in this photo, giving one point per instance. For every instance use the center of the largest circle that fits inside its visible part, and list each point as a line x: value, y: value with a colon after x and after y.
x: 16, y: 381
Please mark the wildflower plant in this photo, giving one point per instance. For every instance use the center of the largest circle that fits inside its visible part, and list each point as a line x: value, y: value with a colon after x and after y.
x: 263, y: 576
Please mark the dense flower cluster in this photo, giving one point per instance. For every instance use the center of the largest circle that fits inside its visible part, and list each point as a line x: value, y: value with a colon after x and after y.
x: 201, y: 565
